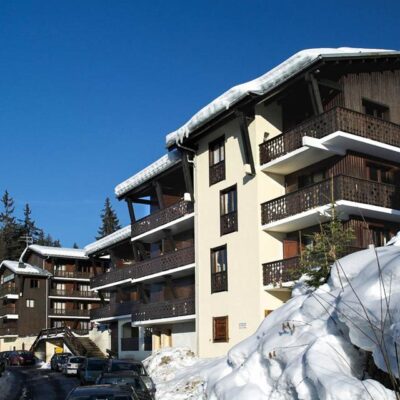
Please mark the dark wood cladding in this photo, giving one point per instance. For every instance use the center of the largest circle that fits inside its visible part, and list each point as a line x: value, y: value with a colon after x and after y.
x: 72, y: 274
x: 229, y: 223
x: 112, y: 310
x: 130, y: 344
x: 155, y: 265
x: 8, y: 288
x: 163, y: 309
x: 217, y: 172
x: 8, y: 309
x: 219, y: 282
x: 319, y: 194
x: 9, y: 329
x: 286, y: 270
x: 162, y: 217
x: 336, y: 119
x: 69, y: 313
x: 73, y: 293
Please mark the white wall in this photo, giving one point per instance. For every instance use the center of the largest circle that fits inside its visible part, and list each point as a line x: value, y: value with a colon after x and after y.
x: 184, y: 335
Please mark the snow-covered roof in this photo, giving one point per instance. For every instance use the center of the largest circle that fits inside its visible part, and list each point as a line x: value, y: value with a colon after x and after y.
x: 162, y: 164
x: 107, y: 241
x: 27, y: 269
x: 263, y: 84
x: 62, y: 252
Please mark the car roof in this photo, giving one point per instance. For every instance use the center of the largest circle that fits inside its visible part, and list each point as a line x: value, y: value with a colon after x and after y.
x: 126, y: 361
x: 100, y: 389
x: 120, y: 373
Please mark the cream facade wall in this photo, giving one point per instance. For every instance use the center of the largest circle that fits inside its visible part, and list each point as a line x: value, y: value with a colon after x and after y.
x: 245, y: 301
x: 16, y: 343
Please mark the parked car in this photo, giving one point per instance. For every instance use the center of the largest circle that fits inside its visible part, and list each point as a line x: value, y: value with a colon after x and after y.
x: 126, y: 378
x: 58, y: 360
x: 90, y: 370
x: 72, y: 364
x: 4, y: 355
x: 2, y: 366
x: 137, y: 367
x: 108, y: 392
x: 21, y: 358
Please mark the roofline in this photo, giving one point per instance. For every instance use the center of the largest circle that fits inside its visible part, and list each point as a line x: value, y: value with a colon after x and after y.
x: 29, y: 250
x: 252, y: 99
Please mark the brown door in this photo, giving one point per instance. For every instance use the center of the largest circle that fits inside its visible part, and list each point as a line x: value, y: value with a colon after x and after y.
x: 290, y: 248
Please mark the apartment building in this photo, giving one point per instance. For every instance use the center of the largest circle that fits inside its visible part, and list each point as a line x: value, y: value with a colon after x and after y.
x: 151, y: 278
x: 269, y: 158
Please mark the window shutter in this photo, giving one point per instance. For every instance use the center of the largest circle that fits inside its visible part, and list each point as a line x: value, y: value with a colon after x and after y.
x: 221, y: 329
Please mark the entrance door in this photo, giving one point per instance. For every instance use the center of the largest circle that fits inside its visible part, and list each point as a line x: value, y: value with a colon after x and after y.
x: 290, y: 248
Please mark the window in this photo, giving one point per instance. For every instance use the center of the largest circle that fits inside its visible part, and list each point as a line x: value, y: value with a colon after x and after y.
x: 217, y: 161
x: 220, y: 329
x: 34, y: 283
x: 30, y: 303
x: 375, y: 109
x: 219, y: 270
x: 228, y: 210
x: 309, y: 179
x: 381, y: 173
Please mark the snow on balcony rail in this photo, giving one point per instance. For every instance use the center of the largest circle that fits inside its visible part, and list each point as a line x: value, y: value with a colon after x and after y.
x: 264, y: 84
x: 162, y: 164
x: 107, y: 241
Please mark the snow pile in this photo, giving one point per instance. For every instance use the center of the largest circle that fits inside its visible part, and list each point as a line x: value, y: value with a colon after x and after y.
x: 44, y: 365
x: 261, y: 85
x: 313, y: 347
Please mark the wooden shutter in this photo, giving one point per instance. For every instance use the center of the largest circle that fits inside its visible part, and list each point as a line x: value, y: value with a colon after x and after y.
x: 220, y: 329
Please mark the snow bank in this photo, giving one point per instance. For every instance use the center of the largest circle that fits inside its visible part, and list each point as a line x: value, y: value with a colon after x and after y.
x: 261, y: 85
x: 313, y: 347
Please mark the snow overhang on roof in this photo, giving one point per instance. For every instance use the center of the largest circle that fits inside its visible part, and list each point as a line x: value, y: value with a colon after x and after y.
x: 108, y: 241
x: 165, y: 162
x: 61, y: 252
x: 264, y: 84
x: 27, y: 269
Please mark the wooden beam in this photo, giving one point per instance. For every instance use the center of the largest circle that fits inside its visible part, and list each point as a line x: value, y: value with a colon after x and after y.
x: 243, y: 124
x: 159, y: 193
x: 170, y: 238
x: 187, y: 176
x: 145, y: 201
x: 330, y: 84
x: 315, y: 94
x: 131, y: 211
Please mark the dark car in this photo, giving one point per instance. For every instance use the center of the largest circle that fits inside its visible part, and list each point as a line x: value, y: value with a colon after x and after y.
x: 90, y: 370
x: 2, y: 366
x: 58, y: 360
x: 115, y: 365
x: 106, y: 392
x: 124, y: 378
x: 21, y: 358
x: 4, y: 355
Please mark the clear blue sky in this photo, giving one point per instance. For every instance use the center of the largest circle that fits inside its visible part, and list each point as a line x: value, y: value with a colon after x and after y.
x: 88, y: 89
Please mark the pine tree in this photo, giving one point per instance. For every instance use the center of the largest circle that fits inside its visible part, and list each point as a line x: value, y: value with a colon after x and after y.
x: 109, y: 221
x: 29, y: 228
x: 75, y: 246
x: 10, y: 230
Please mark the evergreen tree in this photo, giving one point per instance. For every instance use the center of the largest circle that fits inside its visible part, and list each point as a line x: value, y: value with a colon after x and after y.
x: 75, y: 246
x: 109, y: 220
x: 10, y: 230
x: 29, y: 228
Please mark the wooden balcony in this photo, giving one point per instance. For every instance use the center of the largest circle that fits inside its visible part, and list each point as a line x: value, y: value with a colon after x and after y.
x: 163, y: 309
x: 74, y: 293
x: 69, y: 313
x: 72, y: 274
x: 229, y: 223
x: 162, y: 217
x: 277, y: 272
x: 141, y: 269
x: 112, y: 310
x: 130, y: 344
x: 8, y: 288
x: 9, y: 330
x: 219, y: 282
x: 316, y: 195
x: 8, y: 309
x: 217, y: 172
x: 334, y: 120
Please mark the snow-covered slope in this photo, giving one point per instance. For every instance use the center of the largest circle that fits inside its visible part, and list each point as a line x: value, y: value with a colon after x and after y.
x: 313, y: 347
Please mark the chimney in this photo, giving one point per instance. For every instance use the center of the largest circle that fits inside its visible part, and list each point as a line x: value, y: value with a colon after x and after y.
x: 21, y: 264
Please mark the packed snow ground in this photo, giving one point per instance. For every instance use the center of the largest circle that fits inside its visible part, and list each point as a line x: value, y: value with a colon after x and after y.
x: 313, y: 347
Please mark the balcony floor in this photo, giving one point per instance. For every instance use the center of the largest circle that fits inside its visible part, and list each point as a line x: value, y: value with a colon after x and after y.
x: 315, y: 150
x: 168, y: 320
x: 320, y: 214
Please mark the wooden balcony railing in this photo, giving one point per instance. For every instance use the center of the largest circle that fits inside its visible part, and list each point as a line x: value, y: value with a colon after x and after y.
x: 11, y: 330
x: 8, y: 288
x: 319, y: 194
x: 229, y: 223
x: 162, y: 217
x: 130, y: 344
x: 163, y: 309
x: 219, y: 281
x: 69, y: 313
x: 8, y: 309
x: 277, y: 272
x: 72, y: 274
x: 336, y: 119
x: 217, y: 172
x: 112, y: 310
x: 155, y: 265
x: 74, y: 293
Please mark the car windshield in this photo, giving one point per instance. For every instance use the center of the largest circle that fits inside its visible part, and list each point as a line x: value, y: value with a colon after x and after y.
x: 96, y: 365
x: 123, y: 366
x: 133, y: 381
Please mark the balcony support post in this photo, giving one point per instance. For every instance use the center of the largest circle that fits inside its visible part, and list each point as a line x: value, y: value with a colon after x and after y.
x: 244, y: 120
x: 160, y: 196
x: 142, y: 293
x: 170, y: 286
x: 314, y: 94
